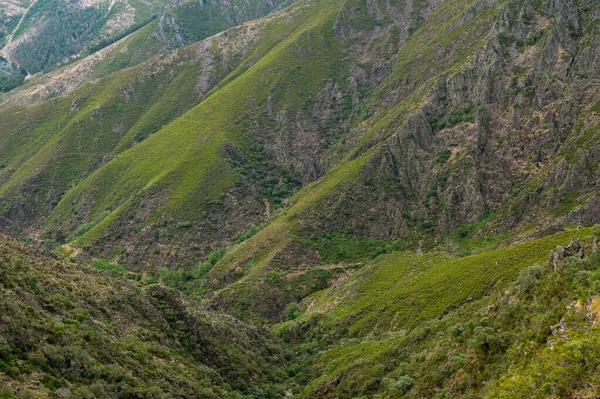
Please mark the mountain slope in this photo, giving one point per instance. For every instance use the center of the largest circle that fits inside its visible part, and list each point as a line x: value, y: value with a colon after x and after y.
x: 207, y: 55
x: 52, y: 33
x: 66, y: 329
x: 411, y: 138
x: 536, y: 337
x: 454, y: 165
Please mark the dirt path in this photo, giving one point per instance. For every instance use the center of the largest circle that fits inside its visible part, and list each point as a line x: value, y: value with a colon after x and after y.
x: 73, y: 251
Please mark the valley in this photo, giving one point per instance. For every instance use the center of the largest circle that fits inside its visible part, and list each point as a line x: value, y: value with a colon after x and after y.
x: 311, y: 199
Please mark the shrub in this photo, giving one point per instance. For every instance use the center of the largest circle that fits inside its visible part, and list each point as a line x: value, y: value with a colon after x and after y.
x: 273, y: 277
x: 371, y: 385
x: 174, y: 279
x: 215, y: 256
x: 291, y: 312
x: 81, y: 314
x: 202, y: 269
x: 51, y: 244
x: 484, y: 340
x: 60, y: 301
x: 5, y: 348
x: 529, y: 279
x: 444, y: 156
x: 6, y: 394
x: 82, y: 393
x: 403, y: 384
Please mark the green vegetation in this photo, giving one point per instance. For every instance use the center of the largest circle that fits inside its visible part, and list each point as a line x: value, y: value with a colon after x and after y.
x: 64, y: 34
x: 509, y: 342
x: 384, y: 183
x: 446, y: 120
x: 107, y: 266
x: 188, y: 23
x: 58, y: 33
x: 191, y: 282
x: 11, y: 75
x: 399, y: 290
x: 67, y: 328
x: 339, y: 248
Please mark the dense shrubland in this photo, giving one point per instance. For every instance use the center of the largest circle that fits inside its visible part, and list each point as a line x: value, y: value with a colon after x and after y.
x: 538, y: 338
x: 66, y: 329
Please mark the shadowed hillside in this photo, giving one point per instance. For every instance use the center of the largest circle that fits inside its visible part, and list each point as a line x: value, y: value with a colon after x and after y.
x: 66, y: 329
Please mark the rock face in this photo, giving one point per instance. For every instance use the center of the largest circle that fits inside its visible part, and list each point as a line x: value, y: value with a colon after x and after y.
x: 562, y: 252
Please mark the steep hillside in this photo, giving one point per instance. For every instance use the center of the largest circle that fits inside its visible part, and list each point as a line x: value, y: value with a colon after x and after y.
x: 54, y: 32
x: 413, y: 122
x: 534, y: 338
x: 215, y: 57
x: 67, y: 330
x: 448, y: 164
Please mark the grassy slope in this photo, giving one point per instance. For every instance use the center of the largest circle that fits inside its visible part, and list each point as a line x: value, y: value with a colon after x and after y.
x: 191, y: 148
x: 400, y: 290
x: 450, y: 325
x: 98, y: 120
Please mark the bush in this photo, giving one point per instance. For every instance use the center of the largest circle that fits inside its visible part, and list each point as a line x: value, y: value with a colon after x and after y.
x: 81, y: 314
x: 403, y: 384
x: 529, y: 279
x: 291, y: 312
x: 202, y: 269
x: 371, y: 385
x: 51, y: 244
x: 174, y: 279
x: 5, y: 349
x: 6, y: 394
x: 484, y: 340
x: 82, y: 393
x: 215, y: 256
x: 443, y: 156
x: 273, y: 277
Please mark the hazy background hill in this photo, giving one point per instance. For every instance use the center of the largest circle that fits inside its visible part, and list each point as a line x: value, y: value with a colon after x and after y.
x: 40, y: 35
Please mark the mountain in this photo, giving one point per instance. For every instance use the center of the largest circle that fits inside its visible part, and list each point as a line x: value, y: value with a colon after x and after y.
x: 43, y: 34
x: 380, y: 183
x: 40, y: 34
x: 309, y: 97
